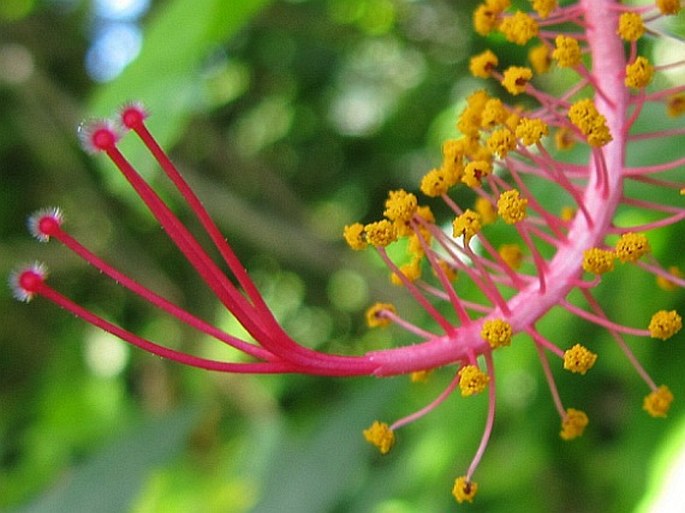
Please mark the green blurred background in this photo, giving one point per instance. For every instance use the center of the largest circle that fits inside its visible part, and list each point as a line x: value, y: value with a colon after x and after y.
x: 291, y: 119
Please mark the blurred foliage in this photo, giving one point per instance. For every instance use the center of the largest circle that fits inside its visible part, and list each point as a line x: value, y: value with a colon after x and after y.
x: 291, y: 119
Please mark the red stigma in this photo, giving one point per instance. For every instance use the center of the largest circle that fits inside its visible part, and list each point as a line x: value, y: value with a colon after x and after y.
x: 99, y: 135
x: 30, y: 281
x: 103, y: 138
x: 132, y: 116
x: 45, y: 223
x: 48, y: 226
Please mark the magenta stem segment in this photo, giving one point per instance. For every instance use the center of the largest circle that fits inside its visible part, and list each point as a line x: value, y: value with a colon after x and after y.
x: 620, y: 342
x: 540, y: 344
x: 408, y: 326
x: 658, y: 271
x: 157, y: 300
x: 490, y: 421
x: 430, y: 407
x: 454, y: 299
x: 416, y: 293
x: 268, y: 333
x: 164, y: 352
x: 184, y: 240
x: 602, y: 321
x: 201, y: 213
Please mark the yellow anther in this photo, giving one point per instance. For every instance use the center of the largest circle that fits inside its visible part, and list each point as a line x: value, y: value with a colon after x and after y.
x: 544, y: 7
x: 483, y: 64
x: 478, y: 151
x: 499, y: 5
x: 355, y: 236
x: 598, y: 261
x: 666, y: 284
x: 567, y: 213
x: 470, y: 144
x: 516, y: 78
x: 567, y: 52
x: 658, y: 402
x: 421, y: 376
x: 675, y: 105
x: 469, y: 120
x: 411, y: 271
x: 449, y: 271
x: 512, y: 207
x: 584, y: 115
x: 425, y: 213
x: 563, y: 138
x: 531, y: 130
x: 665, y: 324
x: 381, y: 436
x: 380, y: 233
x: 416, y: 247
x: 403, y: 229
x: 467, y: 225
x: 579, y: 359
x: 513, y: 119
x: 472, y: 380
x: 540, y: 58
x: 487, y: 211
x: 452, y: 171
x: 454, y: 150
x: 497, y: 333
x: 464, y: 489
x: 501, y: 142
x: 485, y: 19
x: 400, y: 205
x: 630, y: 26
x: 519, y: 28
x: 477, y: 99
x: 630, y: 247
x: 376, y: 315
x: 573, y: 424
x: 668, y: 6
x: 474, y: 172
x: 639, y: 73
x: 434, y: 183
x: 511, y: 254
x: 494, y: 113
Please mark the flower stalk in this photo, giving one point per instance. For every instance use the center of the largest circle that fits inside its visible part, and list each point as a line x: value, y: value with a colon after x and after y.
x: 502, y: 154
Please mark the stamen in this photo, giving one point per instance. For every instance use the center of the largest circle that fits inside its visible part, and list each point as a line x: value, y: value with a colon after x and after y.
x: 133, y: 115
x: 27, y: 282
x: 98, y: 136
x: 45, y: 223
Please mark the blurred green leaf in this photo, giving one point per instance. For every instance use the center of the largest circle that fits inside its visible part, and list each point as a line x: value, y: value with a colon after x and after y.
x: 313, y: 471
x: 665, y: 493
x: 110, y: 481
x: 165, y: 74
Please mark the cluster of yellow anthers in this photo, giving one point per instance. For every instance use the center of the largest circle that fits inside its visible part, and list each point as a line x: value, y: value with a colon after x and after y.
x: 497, y: 138
x: 630, y: 247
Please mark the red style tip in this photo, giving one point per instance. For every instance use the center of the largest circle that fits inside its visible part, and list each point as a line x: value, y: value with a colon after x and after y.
x: 27, y: 282
x: 96, y: 136
x: 45, y: 223
x: 132, y: 115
